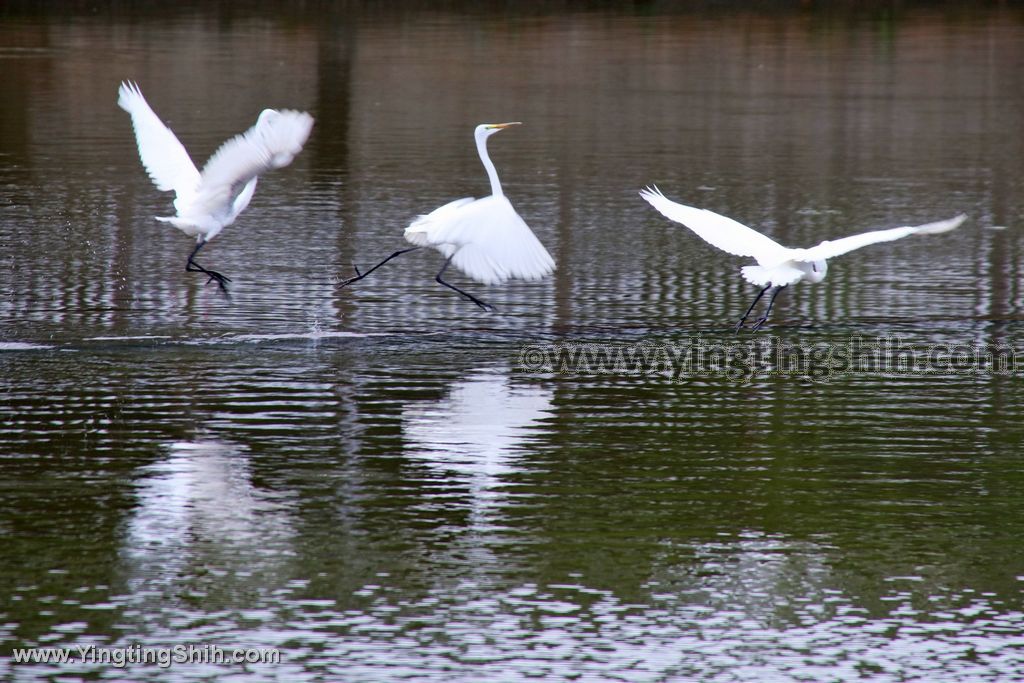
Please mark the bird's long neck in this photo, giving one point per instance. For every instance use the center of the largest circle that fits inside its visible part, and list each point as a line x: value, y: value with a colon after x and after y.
x: 492, y: 173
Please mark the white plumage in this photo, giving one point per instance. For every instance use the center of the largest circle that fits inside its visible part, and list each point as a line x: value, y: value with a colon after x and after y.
x: 484, y: 238
x: 778, y: 266
x: 207, y: 202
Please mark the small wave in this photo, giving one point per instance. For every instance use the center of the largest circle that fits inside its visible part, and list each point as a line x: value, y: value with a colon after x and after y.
x: 285, y: 336
x: 23, y: 346
x: 140, y: 337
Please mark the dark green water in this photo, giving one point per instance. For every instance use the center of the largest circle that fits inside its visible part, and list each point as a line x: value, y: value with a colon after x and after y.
x: 385, y: 483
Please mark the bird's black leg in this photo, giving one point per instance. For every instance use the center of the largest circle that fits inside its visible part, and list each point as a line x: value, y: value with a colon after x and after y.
x: 764, y: 318
x: 481, y: 304
x: 193, y: 267
x: 360, y: 276
x: 739, y: 325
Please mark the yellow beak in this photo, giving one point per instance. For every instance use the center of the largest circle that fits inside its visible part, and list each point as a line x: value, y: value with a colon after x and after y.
x: 499, y: 126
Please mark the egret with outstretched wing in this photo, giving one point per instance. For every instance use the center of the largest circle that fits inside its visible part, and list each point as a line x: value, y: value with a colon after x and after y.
x: 207, y: 202
x: 777, y: 266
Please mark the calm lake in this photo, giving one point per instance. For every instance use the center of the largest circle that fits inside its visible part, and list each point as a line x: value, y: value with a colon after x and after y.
x: 596, y: 481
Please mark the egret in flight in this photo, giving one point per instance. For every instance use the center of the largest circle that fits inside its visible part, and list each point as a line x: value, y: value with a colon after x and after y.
x: 207, y: 202
x: 484, y: 238
x: 777, y: 266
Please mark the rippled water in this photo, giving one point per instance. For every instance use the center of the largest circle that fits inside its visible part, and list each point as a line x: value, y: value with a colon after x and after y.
x: 381, y: 481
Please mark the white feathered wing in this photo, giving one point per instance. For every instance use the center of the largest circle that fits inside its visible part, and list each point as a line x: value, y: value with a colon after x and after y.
x: 831, y: 248
x: 720, y: 231
x: 229, y: 177
x: 485, y: 238
x: 162, y: 154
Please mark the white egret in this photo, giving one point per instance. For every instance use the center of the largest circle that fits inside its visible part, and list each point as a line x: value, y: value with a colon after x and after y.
x: 484, y: 238
x: 777, y: 266
x: 207, y: 202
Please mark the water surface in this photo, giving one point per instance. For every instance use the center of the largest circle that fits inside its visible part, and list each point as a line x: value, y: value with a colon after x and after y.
x: 378, y: 480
